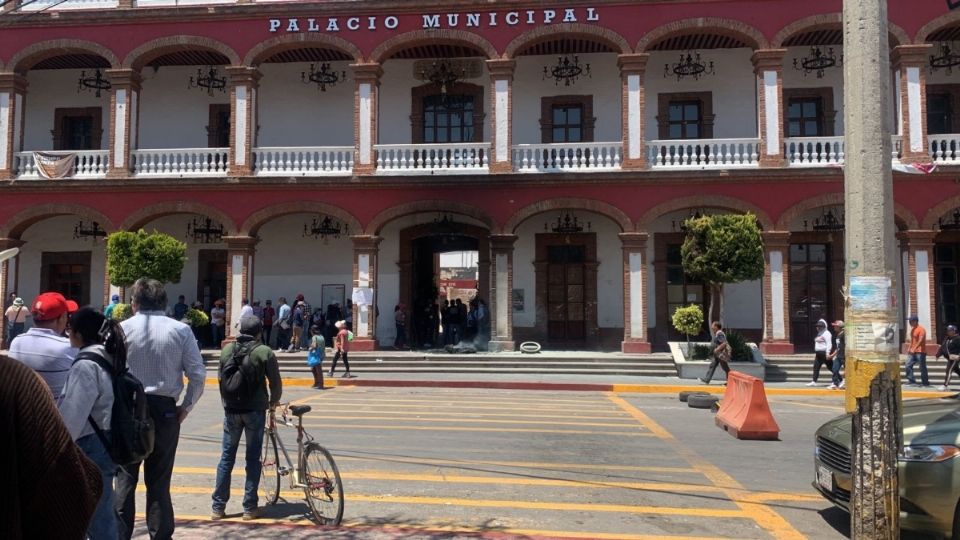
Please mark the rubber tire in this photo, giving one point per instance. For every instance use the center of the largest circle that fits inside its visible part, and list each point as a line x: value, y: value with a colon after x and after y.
x: 270, y: 476
x: 687, y: 393
x: 702, y: 401
x: 334, y: 520
x: 529, y: 347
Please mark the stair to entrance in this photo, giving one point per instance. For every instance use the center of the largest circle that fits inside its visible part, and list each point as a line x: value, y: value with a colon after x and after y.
x: 799, y: 368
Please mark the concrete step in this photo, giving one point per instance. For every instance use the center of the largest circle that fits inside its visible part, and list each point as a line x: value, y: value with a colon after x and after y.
x: 799, y: 368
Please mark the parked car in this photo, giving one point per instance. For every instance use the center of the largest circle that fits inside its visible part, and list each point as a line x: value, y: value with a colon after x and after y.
x: 929, y: 468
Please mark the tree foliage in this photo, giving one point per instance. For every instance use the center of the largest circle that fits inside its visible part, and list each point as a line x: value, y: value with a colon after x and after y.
x: 135, y: 255
x: 688, y: 321
x: 121, y: 312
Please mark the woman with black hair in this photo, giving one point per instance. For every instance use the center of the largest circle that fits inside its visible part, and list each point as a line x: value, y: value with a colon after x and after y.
x: 88, y: 397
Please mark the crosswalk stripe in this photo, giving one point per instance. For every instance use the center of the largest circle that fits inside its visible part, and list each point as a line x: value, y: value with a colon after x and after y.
x: 412, y: 418
x: 389, y: 427
x: 389, y: 409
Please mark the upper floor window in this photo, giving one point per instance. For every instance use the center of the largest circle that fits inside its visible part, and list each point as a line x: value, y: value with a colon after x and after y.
x: 805, y: 117
x: 77, y: 128
x: 685, y: 115
x: 566, y: 119
x: 218, y: 130
x: 448, y: 118
x: 939, y: 113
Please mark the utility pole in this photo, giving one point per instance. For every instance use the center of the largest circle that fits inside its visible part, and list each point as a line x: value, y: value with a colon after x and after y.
x: 873, y: 369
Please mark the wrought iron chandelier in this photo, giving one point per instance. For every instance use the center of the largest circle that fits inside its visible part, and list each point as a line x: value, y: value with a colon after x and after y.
x: 93, y: 230
x: 565, y: 70
x: 443, y: 74
x: 694, y: 214
x: 817, y: 62
x: 206, y: 231
x: 952, y: 224
x: 828, y: 221
x: 95, y: 82
x: 210, y: 81
x: 445, y: 224
x: 690, y: 65
x: 947, y: 59
x: 323, y: 227
x: 323, y: 77
x: 566, y: 224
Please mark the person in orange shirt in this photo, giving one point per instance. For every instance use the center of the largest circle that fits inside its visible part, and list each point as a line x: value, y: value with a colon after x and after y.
x: 917, y: 352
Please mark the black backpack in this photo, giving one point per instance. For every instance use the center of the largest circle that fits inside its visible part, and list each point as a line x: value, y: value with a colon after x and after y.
x: 131, y: 428
x: 240, y: 378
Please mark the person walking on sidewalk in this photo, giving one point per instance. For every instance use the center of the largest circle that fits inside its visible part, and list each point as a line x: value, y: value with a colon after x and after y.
x: 253, y: 363
x: 160, y: 352
x: 317, y: 351
x: 950, y: 349
x: 917, y: 352
x: 342, y: 344
x: 16, y: 319
x: 821, y: 348
x: 837, y: 357
x: 720, y: 352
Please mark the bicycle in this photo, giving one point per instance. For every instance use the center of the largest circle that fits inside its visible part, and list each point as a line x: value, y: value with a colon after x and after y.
x: 315, y: 472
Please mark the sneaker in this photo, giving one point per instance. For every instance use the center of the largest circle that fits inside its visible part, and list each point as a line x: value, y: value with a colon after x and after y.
x: 251, y: 514
x: 346, y: 375
x: 843, y: 383
x: 330, y: 374
x: 703, y: 381
x: 217, y: 515
x: 943, y: 388
x: 833, y: 387
x: 812, y: 383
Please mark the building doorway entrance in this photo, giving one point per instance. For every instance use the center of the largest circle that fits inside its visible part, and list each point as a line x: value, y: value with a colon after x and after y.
x: 67, y: 273
x: 566, y: 276
x: 947, y: 264
x: 810, y: 285
x: 211, y: 276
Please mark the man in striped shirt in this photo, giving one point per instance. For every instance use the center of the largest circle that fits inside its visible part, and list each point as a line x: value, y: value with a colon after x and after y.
x: 43, y: 348
x: 160, y: 352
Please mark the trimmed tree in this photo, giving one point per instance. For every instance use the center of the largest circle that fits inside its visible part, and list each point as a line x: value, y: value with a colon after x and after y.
x: 135, y: 255
x: 688, y: 321
x: 722, y: 249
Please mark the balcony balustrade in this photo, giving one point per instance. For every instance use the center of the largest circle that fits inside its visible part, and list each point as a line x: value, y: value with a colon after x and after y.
x: 88, y: 164
x: 180, y: 162
x: 54, y: 5
x: 703, y: 153
x: 564, y: 157
x: 813, y: 151
x: 945, y: 148
x: 458, y: 158
x: 306, y: 161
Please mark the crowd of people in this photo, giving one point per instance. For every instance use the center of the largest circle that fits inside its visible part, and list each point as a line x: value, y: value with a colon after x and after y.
x: 65, y: 368
x: 437, y: 324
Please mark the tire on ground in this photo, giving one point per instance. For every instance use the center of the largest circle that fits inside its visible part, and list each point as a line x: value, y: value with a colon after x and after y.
x: 687, y: 393
x: 705, y: 401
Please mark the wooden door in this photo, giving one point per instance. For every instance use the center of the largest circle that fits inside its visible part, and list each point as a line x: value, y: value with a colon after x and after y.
x: 566, y: 294
x: 67, y: 273
x: 211, y: 276
x: 809, y: 292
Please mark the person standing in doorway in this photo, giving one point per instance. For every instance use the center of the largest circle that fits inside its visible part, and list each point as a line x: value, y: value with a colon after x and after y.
x: 160, y: 352
x: 400, y: 320
x: 719, y: 352
x: 917, y: 352
x: 218, y: 322
x: 297, y: 325
x: 16, y: 319
x: 821, y: 348
x: 268, y: 315
x: 245, y: 414
x: 342, y: 344
x: 837, y: 357
x: 43, y: 347
x: 950, y: 350
x: 283, y: 324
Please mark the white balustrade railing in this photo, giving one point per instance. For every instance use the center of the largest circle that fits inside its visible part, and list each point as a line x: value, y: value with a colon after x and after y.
x: 180, y: 162
x: 557, y: 157
x: 57, y: 5
x: 88, y: 164
x: 813, y: 151
x: 703, y: 153
x: 429, y: 158
x: 945, y: 148
x: 307, y: 161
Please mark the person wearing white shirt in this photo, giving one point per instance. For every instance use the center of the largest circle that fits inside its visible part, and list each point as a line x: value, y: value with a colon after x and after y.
x: 821, y: 347
x: 246, y: 310
x: 43, y: 347
x: 161, y: 351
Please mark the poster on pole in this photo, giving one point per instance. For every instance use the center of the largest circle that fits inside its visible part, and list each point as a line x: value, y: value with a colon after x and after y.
x: 870, y: 293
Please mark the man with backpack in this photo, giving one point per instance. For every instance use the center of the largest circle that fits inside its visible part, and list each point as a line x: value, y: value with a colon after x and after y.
x: 245, y: 366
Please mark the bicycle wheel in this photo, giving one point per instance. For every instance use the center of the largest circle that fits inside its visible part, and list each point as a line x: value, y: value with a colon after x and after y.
x: 270, y: 475
x: 321, y: 480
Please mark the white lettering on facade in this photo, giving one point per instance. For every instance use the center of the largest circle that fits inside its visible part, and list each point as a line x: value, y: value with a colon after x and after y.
x: 493, y: 19
x: 569, y: 15
x: 274, y: 24
x: 312, y: 25
x: 292, y: 26
x: 473, y: 19
x: 391, y: 22
x: 453, y: 19
x: 530, y: 15
x: 439, y: 20
x: 431, y: 21
x: 592, y: 15
x: 513, y: 18
x: 371, y: 23
x: 548, y: 16
x: 332, y: 25
x: 353, y: 23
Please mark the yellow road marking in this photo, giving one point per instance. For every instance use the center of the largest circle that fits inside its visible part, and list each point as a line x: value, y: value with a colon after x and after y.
x: 838, y: 407
x: 764, y: 516
x: 426, y: 528
x: 336, y: 407
x: 472, y: 421
x: 496, y: 503
x: 445, y: 400
x: 444, y: 406
x: 426, y: 394
x: 388, y: 427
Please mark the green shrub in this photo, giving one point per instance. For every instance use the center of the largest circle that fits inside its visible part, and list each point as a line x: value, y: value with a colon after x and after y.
x: 688, y: 321
x: 135, y: 255
x: 196, y: 318
x: 741, y: 352
x: 122, y: 312
x: 700, y: 352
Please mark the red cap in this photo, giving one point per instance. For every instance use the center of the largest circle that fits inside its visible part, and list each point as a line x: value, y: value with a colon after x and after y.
x: 51, y: 305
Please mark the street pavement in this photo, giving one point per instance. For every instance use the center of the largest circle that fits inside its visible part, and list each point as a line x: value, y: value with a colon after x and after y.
x: 465, y: 463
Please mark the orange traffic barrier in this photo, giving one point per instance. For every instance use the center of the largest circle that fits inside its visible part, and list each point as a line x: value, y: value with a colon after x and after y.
x: 744, y: 412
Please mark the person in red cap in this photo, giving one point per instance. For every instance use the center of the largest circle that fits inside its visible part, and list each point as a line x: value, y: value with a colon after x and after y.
x: 43, y: 348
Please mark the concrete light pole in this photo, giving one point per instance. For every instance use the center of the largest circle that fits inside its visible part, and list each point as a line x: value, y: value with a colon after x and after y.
x: 873, y: 369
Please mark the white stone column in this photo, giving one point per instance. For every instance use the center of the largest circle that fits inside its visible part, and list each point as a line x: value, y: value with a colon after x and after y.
x: 776, y: 293
x: 921, y: 282
x: 768, y: 67
x: 366, y: 102
x: 501, y: 128
x: 365, y: 252
x: 909, y: 69
x: 635, y: 327
x: 243, y: 118
x: 13, y: 92
x: 124, y: 120
x: 632, y: 109
x: 240, y: 253
x: 501, y: 292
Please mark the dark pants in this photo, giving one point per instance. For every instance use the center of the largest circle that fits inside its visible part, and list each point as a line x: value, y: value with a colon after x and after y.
x: 267, y: 329
x: 838, y: 366
x: 14, y: 330
x: 952, y: 366
x: 251, y: 425
x: 283, y: 337
x: 713, y: 368
x: 820, y: 359
x: 157, y: 470
x: 216, y: 335
x: 401, y: 339
x: 336, y: 358
x: 914, y: 359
